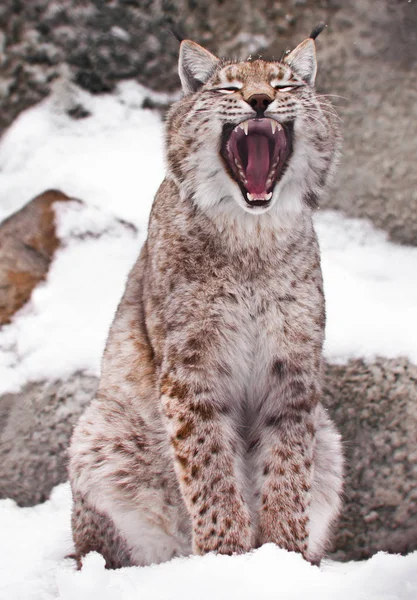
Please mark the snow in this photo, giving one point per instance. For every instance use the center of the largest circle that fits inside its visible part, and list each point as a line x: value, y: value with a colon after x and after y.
x: 113, y: 161
x: 64, y: 328
x: 35, y: 542
x: 370, y: 288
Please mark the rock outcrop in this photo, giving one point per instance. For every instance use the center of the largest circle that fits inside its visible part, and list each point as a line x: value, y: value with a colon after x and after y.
x: 375, y: 407
x: 27, y: 245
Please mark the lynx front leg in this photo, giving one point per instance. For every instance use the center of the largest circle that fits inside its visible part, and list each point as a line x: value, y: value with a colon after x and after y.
x: 205, y: 447
x: 207, y: 462
x: 285, y: 456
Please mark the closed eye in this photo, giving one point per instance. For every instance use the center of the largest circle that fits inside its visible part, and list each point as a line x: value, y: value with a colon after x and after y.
x: 285, y: 88
x: 227, y: 90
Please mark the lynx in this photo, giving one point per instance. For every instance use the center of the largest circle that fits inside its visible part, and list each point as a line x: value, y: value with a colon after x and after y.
x: 207, y: 432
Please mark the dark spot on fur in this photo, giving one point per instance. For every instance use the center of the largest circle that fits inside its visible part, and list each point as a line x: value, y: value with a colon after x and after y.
x: 283, y: 454
x: 273, y: 421
x: 185, y: 431
x: 232, y: 297
x: 254, y: 444
x: 194, y: 471
x: 119, y: 447
x: 215, y: 449
x: 203, y: 411
x: 304, y: 406
x: 203, y: 510
x: 183, y: 460
x: 298, y: 388
x: 194, y: 343
x: 215, y: 481
x: 192, y: 359
x: 311, y: 429
x: 279, y: 367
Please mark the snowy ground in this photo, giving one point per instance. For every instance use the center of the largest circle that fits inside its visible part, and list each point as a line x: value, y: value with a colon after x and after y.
x: 36, y: 540
x: 113, y: 161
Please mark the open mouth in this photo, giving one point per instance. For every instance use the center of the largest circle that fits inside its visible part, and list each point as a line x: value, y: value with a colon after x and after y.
x: 256, y: 153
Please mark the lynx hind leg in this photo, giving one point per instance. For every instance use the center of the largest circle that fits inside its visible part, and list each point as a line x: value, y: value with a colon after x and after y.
x: 326, y: 487
x: 93, y: 531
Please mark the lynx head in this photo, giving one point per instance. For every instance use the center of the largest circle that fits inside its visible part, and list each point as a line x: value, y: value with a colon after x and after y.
x: 251, y: 135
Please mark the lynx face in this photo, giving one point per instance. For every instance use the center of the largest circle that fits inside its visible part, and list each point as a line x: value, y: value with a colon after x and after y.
x: 253, y: 134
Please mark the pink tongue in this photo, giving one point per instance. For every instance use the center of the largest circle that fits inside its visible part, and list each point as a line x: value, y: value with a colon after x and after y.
x: 258, y: 163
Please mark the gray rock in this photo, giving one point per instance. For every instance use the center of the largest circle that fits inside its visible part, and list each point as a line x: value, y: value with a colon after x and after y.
x: 35, y: 428
x: 374, y: 406
x: 370, y: 58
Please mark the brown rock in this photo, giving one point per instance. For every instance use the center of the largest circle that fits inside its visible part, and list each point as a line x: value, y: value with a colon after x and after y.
x: 27, y: 244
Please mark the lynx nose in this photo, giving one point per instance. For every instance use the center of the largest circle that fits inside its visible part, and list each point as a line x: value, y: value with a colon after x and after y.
x: 260, y: 103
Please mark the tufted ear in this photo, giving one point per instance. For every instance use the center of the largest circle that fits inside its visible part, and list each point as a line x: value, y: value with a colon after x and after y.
x: 195, y: 66
x: 303, y: 60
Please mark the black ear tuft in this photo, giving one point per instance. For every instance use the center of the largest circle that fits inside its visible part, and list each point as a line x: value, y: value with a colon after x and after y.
x: 317, y: 30
x: 176, y: 31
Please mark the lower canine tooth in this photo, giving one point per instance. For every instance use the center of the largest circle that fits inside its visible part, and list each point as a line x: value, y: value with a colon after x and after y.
x: 249, y: 196
x: 268, y: 196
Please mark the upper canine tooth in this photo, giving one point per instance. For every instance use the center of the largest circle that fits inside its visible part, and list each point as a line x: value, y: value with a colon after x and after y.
x: 245, y: 126
x: 279, y: 126
x: 273, y: 125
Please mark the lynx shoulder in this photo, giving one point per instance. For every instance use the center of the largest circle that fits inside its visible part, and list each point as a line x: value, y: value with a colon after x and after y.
x: 207, y: 432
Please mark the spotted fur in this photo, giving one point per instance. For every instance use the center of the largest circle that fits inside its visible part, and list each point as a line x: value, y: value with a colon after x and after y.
x: 207, y: 432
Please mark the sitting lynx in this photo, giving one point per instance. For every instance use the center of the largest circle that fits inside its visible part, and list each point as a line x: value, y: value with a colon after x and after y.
x: 207, y: 432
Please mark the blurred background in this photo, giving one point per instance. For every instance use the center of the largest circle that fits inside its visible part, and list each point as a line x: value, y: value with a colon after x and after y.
x: 368, y: 64
x: 368, y: 56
